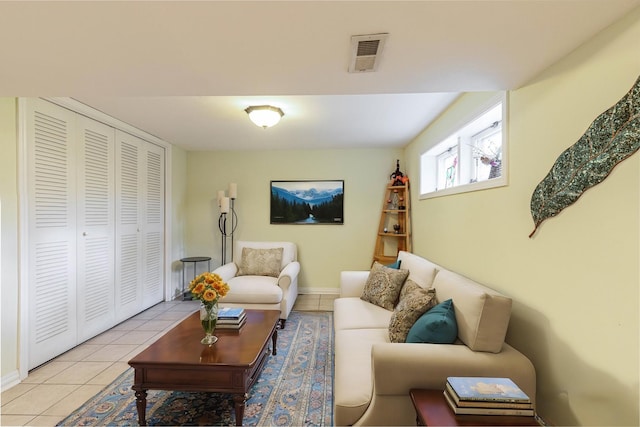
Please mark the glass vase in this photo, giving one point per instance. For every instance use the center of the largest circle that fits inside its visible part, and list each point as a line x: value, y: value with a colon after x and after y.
x: 208, y: 318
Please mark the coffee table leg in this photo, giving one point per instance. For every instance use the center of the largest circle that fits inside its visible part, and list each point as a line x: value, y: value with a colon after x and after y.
x: 141, y: 403
x: 239, y: 400
x: 274, y: 339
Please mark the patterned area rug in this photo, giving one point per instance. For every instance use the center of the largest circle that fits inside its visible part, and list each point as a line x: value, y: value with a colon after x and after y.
x: 294, y: 389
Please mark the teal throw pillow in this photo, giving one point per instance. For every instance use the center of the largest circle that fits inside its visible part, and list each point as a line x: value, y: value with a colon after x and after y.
x: 437, y: 326
x: 395, y: 265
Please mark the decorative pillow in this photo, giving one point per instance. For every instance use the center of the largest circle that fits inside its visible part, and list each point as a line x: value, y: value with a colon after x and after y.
x: 260, y: 262
x: 383, y: 285
x: 437, y: 326
x: 395, y: 265
x: 408, y: 310
x: 408, y: 287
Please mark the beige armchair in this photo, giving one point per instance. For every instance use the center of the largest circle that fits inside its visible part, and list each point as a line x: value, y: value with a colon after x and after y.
x: 262, y: 275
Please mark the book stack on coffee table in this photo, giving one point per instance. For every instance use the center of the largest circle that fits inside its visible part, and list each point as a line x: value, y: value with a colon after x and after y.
x: 487, y: 396
x: 231, y: 318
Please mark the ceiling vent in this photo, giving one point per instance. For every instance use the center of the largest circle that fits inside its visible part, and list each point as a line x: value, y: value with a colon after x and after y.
x: 366, y: 51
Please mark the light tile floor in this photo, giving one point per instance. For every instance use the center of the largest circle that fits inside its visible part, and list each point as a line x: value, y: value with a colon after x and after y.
x: 55, y: 389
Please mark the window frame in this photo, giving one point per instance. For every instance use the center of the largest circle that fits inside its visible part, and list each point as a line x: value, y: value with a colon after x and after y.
x: 428, y: 162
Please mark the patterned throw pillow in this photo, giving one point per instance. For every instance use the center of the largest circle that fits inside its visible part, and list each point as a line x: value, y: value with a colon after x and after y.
x: 383, y: 285
x: 409, y: 286
x: 408, y: 310
x: 260, y: 262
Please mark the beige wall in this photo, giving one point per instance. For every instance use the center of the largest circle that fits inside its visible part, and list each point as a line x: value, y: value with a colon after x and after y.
x: 8, y: 240
x: 575, y: 283
x: 323, y: 250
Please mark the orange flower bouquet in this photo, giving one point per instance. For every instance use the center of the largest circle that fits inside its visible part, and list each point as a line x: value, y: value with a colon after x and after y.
x: 208, y: 288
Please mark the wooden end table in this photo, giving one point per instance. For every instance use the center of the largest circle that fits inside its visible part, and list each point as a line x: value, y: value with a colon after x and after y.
x: 177, y: 360
x: 432, y: 409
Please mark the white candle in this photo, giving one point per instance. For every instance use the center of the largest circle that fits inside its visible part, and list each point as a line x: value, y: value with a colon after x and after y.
x: 220, y: 196
x: 224, y: 205
x: 233, y: 190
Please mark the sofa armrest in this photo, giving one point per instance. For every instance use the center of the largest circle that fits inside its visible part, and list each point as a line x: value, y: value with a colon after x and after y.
x: 227, y: 271
x: 352, y: 283
x: 288, y: 275
x: 399, y: 367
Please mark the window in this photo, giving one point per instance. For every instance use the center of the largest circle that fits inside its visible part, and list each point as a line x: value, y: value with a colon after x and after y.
x: 471, y: 158
x: 448, y: 168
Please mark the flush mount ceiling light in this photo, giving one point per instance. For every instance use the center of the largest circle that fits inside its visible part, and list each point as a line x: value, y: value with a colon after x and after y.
x: 264, y: 116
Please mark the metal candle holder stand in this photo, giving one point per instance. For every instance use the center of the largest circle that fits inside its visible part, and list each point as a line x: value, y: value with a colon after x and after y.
x: 222, y: 226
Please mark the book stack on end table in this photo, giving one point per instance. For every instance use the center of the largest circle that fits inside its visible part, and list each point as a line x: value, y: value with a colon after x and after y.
x: 231, y: 318
x: 487, y: 396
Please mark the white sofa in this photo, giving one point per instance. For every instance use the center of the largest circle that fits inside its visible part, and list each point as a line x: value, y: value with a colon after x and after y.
x: 373, y: 376
x: 266, y: 292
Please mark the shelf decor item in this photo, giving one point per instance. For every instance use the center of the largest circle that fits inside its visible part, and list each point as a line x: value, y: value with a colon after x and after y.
x: 208, y: 288
x: 612, y: 137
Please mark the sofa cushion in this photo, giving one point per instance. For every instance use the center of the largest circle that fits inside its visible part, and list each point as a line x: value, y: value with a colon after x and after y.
x: 253, y: 290
x: 354, y: 313
x: 421, y: 271
x: 408, y: 310
x: 482, y: 314
x: 260, y: 262
x: 437, y: 326
x: 383, y: 285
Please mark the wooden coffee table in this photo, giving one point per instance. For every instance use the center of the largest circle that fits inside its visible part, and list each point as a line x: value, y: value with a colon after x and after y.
x: 177, y: 360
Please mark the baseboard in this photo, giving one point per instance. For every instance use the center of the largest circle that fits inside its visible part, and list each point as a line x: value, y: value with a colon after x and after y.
x: 10, y: 380
x: 319, y: 291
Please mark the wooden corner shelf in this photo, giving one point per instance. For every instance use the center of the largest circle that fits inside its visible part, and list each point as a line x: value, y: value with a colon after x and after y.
x: 390, y: 242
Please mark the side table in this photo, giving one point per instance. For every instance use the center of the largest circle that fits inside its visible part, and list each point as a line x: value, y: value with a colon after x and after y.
x: 195, y: 260
x: 432, y: 409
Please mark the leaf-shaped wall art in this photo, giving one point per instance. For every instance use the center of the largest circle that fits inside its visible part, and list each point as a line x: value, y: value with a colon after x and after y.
x: 612, y: 137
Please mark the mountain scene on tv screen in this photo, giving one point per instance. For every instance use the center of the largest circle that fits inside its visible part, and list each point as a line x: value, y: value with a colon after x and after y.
x: 306, y: 205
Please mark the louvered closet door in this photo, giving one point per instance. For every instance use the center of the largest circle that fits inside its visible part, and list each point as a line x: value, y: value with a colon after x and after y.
x: 153, y: 225
x: 51, y: 183
x: 129, y: 180
x: 96, y: 225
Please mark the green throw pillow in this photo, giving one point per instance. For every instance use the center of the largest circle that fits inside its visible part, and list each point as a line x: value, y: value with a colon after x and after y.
x: 437, y: 326
x: 395, y: 265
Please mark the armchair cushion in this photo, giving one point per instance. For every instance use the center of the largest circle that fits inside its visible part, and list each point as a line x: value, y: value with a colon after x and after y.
x: 253, y: 290
x: 289, y: 250
x: 260, y: 262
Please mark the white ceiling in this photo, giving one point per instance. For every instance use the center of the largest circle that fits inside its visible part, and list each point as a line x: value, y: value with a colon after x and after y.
x: 184, y: 71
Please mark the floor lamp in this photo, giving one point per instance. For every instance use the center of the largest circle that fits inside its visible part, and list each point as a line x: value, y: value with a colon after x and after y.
x: 227, y: 208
